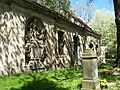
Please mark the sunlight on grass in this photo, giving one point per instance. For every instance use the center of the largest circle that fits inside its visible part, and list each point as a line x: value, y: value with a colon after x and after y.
x: 62, y: 79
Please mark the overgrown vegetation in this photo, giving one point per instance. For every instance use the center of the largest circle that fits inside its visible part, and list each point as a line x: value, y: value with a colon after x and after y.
x: 61, y: 79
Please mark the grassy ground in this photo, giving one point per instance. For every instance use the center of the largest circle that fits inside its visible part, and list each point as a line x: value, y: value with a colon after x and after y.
x: 61, y: 79
x: 106, y: 73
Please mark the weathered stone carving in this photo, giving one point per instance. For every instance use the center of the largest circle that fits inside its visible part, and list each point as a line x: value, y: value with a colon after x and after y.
x: 35, y: 37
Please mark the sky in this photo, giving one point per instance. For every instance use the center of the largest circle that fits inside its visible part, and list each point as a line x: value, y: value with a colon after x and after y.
x: 97, y: 4
x: 107, y: 4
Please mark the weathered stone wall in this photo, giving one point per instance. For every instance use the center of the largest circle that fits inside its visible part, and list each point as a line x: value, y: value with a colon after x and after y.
x: 12, y: 52
x: 68, y: 58
x: 32, y: 41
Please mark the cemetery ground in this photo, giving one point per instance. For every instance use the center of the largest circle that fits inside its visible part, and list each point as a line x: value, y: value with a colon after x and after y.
x: 61, y: 79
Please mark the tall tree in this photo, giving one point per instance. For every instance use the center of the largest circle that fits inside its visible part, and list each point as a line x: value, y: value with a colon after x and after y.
x: 117, y: 20
x: 103, y: 23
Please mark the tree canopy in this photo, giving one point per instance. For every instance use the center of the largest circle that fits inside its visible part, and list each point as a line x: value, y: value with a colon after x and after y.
x: 103, y: 23
x: 57, y: 5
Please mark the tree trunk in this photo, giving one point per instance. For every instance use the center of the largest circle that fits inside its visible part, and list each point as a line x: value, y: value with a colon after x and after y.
x: 117, y: 21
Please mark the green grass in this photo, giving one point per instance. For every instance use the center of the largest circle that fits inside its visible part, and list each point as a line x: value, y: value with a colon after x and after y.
x: 62, y: 79
x: 110, y: 65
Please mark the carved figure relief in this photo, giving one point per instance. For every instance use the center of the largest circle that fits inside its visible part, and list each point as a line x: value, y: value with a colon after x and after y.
x: 35, y: 37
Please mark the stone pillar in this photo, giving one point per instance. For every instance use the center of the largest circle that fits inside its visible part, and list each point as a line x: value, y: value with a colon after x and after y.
x: 90, y: 71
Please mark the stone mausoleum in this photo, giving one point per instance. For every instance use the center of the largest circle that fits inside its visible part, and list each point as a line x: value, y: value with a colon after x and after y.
x: 33, y: 37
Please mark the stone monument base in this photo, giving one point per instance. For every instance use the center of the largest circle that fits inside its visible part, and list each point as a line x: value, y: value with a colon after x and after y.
x: 90, y: 85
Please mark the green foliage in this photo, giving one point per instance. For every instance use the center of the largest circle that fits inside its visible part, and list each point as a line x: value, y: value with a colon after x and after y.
x: 110, y: 63
x: 62, y: 79
x: 103, y: 23
x: 103, y: 83
x: 106, y: 77
x: 57, y: 5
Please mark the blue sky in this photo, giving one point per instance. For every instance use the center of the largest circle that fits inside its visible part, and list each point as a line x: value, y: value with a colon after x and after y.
x: 107, y: 4
x: 97, y: 4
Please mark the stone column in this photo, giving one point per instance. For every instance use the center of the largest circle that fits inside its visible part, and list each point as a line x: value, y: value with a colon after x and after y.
x: 90, y: 71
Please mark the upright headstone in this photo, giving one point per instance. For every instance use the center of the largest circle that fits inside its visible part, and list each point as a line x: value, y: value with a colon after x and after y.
x: 90, y: 71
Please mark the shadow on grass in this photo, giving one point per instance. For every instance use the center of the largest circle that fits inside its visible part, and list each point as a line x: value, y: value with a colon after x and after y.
x: 43, y: 84
x: 48, y: 81
x: 68, y: 74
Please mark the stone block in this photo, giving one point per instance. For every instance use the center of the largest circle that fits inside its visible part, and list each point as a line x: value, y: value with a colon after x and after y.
x: 90, y: 85
x: 90, y: 70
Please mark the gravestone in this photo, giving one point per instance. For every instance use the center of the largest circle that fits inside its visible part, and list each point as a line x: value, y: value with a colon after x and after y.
x: 90, y: 71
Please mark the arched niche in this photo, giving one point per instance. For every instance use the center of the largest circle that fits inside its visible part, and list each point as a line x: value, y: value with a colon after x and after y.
x: 35, y: 36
